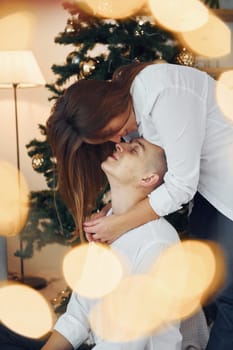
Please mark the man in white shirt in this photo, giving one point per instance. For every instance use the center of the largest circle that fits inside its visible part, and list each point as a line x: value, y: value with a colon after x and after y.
x: 133, y: 171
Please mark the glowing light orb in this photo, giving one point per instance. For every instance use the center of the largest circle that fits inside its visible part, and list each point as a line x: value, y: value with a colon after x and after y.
x: 25, y: 311
x: 92, y: 270
x: 133, y: 310
x: 179, y: 15
x: 224, y: 93
x: 111, y: 8
x: 184, y: 276
x: 187, y: 272
x: 20, y: 39
x: 208, y: 39
x: 14, y: 200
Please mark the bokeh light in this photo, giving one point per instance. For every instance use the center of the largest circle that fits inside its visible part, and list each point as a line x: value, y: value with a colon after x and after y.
x: 19, y: 39
x: 25, y: 311
x: 179, y: 15
x: 136, y: 308
x: 191, y: 272
x: 14, y: 200
x: 111, y: 8
x: 180, y: 281
x: 92, y: 270
x: 208, y: 39
x: 182, y: 268
x: 224, y: 93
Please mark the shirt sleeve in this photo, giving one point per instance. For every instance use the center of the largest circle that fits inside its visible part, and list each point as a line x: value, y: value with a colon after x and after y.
x: 73, y: 324
x: 179, y: 118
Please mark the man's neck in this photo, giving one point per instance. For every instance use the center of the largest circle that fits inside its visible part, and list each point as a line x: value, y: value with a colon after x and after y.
x: 124, y: 199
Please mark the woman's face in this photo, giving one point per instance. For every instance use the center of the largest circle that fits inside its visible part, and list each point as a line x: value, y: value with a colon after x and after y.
x: 125, y: 121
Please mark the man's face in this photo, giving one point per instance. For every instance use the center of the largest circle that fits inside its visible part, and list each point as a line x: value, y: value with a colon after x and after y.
x: 129, y: 162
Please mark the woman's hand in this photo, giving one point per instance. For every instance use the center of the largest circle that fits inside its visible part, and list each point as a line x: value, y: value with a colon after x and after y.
x: 103, y: 229
x: 95, y: 216
x: 107, y: 229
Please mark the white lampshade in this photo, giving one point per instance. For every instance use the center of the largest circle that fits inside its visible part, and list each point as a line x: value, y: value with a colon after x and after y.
x: 21, y: 68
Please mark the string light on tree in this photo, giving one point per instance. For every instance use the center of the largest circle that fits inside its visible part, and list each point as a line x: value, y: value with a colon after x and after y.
x: 159, y: 58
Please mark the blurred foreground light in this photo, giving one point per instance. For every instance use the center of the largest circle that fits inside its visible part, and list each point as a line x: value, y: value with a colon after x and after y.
x: 179, y: 282
x: 133, y: 310
x: 179, y: 15
x: 111, y: 8
x: 14, y: 200
x: 224, y: 93
x: 10, y: 38
x: 92, y: 270
x: 24, y: 310
x: 213, y: 39
x: 191, y: 272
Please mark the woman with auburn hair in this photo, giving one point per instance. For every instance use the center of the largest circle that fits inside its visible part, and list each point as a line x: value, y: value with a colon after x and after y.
x: 80, y: 140
x: 174, y: 107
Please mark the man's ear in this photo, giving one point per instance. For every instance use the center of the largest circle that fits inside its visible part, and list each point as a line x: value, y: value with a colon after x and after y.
x: 149, y: 180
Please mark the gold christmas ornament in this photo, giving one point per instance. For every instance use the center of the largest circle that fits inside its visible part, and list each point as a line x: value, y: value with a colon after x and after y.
x: 37, y: 161
x: 87, y: 67
x: 70, y: 26
x: 73, y: 57
x: 185, y: 58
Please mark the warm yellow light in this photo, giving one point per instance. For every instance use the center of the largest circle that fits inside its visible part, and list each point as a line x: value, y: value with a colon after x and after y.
x: 179, y: 15
x: 190, y: 273
x: 224, y: 93
x: 16, y: 30
x: 133, y: 310
x: 14, y: 200
x: 25, y: 311
x: 182, y: 269
x: 111, y: 8
x: 183, y: 278
x: 213, y: 39
x: 92, y: 270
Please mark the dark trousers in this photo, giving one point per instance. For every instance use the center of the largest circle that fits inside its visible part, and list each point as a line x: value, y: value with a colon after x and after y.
x: 10, y: 340
x: 207, y: 223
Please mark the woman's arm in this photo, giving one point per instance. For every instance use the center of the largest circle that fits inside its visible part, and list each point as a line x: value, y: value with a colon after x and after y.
x: 179, y: 117
x: 57, y: 342
x: 109, y: 228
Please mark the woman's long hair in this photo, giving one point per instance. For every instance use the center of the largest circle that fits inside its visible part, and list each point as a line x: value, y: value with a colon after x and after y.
x: 82, y: 113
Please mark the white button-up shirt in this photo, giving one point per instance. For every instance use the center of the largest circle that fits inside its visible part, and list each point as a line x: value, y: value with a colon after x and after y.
x: 141, y: 246
x: 176, y: 108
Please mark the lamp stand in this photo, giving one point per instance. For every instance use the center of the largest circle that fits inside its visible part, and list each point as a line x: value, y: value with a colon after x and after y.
x: 3, y: 259
x: 34, y: 282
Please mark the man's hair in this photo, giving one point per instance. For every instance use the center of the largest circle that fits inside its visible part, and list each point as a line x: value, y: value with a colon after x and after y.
x: 158, y: 163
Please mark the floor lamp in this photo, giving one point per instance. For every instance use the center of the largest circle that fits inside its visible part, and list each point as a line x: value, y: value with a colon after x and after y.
x: 19, y: 69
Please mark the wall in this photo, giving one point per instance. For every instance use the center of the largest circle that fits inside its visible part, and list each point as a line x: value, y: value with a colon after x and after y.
x: 48, y: 19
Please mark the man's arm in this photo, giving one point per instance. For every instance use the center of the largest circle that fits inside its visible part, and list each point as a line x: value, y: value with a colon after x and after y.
x: 72, y: 328
x: 57, y: 342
